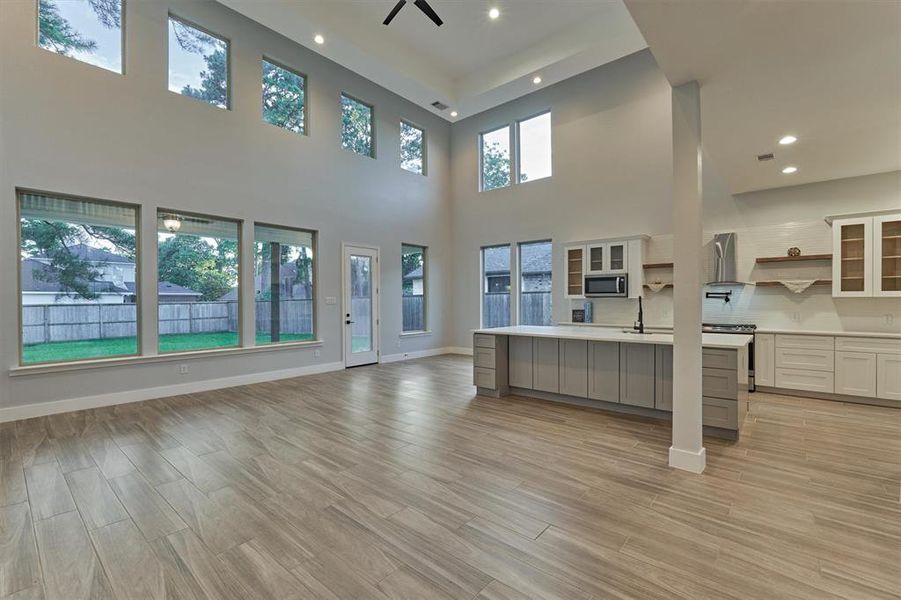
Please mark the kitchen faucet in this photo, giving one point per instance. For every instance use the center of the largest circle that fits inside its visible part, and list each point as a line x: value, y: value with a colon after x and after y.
x: 639, y: 324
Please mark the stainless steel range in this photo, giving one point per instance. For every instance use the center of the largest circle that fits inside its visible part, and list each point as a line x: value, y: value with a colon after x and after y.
x: 738, y: 328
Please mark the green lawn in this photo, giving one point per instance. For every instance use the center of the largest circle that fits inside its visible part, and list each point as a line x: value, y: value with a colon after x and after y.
x: 62, y: 351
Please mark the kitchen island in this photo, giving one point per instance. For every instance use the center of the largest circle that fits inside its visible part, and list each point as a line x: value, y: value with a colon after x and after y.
x: 611, y: 369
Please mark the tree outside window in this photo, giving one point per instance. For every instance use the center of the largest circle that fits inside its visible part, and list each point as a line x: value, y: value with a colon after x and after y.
x: 412, y: 148
x: 87, y: 30
x: 495, y: 152
x: 283, y: 97
x: 356, y: 126
x: 198, y: 64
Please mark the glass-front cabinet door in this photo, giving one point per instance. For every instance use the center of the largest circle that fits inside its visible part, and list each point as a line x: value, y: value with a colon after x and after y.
x: 616, y: 255
x: 852, y: 257
x: 597, y: 258
x: 575, y: 271
x: 887, y: 259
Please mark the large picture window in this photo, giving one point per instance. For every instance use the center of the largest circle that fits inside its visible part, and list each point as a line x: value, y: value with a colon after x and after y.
x: 283, y: 97
x: 535, y: 267
x: 283, y: 284
x: 87, y: 30
x: 198, y: 63
x: 198, y: 282
x: 413, y: 282
x: 496, y: 310
x: 494, y: 152
x: 356, y: 126
x: 534, y: 148
x: 412, y: 148
x: 79, y: 287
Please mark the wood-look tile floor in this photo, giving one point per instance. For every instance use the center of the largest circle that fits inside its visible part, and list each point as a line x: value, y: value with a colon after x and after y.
x: 398, y: 482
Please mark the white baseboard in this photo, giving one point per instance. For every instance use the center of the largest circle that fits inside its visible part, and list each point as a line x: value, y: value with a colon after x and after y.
x: 390, y: 358
x: 459, y: 350
x: 41, y: 409
x: 688, y: 460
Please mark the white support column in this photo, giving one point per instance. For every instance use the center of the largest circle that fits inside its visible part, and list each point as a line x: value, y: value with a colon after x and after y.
x: 246, y: 293
x: 148, y: 279
x: 687, y: 451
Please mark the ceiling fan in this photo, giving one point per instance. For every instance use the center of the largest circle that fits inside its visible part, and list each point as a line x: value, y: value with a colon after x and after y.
x: 421, y: 5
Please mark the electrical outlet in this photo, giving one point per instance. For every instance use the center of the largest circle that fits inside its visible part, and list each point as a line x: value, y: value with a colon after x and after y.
x: 889, y: 319
x: 398, y: 343
x: 317, y: 352
x: 183, y: 369
x: 796, y: 317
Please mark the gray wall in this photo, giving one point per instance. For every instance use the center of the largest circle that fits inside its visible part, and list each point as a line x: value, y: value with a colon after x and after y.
x: 66, y: 126
x: 612, y: 171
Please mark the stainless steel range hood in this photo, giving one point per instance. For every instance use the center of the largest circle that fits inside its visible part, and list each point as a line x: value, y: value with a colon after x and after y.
x: 721, y: 260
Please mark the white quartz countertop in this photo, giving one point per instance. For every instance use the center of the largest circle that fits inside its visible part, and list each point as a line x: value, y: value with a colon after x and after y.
x: 868, y: 334
x: 597, y: 334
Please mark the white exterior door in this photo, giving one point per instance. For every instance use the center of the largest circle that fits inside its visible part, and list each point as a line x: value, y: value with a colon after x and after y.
x: 361, y: 305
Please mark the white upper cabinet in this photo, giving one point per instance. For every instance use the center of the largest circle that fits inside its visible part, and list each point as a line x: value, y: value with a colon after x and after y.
x: 607, y: 257
x: 866, y: 256
x: 887, y: 255
x: 852, y: 257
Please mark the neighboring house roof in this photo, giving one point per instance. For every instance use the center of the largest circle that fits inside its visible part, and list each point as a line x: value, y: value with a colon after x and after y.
x: 231, y: 294
x: 38, y: 277
x: 414, y: 274
x: 171, y: 289
x: 85, y: 252
x: 536, y: 258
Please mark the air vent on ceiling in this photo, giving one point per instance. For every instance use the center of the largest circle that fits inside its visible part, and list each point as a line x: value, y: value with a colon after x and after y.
x: 438, y: 105
x: 764, y: 157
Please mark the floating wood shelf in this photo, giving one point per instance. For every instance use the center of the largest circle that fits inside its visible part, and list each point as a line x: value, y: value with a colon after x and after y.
x: 779, y: 283
x: 668, y: 265
x: 778, y: 259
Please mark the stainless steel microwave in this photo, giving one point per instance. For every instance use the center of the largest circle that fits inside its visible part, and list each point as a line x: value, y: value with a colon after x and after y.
x: 606, y: 286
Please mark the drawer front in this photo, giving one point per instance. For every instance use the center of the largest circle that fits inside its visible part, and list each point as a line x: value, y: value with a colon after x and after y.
x: 483, y: 357
x: 483, y: 340
x: 717, y: 412
x: 806, y: 359
x: 812, y: 342
x: 718, y: 358
x: 872, y: 345
x: 719, y: 383
x: 485, y: 378
x: 811, y: 381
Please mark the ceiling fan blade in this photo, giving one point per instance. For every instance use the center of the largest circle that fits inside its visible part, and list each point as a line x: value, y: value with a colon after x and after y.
x: 430, y: 13
x: 394, y: 12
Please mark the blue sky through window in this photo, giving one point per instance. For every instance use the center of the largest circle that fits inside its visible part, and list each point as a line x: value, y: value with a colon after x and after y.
x: 85, y: 23
x: 188, y: 60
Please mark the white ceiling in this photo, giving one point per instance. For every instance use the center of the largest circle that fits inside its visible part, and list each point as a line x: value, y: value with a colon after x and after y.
x: 470, y: 63
x: 828, y: 72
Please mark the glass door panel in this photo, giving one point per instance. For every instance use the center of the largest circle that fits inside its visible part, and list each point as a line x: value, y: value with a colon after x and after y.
x: 889, y: 246
x: 853, y: 249
x: 617, y: 257
x: 574, y: 272
x: 596, y: 259
x: 361, y: 337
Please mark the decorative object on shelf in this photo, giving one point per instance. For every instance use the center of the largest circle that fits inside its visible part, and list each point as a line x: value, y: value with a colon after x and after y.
x: 794, y: 251
x: 724, y: 296
x: 656, y: 286
x: 798, y: 285
x: 578, y: 315
x: 588, y: 309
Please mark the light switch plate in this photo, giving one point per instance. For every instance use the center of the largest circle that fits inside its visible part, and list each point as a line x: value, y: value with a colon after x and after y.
x: 331, y: 300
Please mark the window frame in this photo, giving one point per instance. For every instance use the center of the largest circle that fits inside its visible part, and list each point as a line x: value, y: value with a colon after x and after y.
x: 314, y: 275
x: 372, y: 136
x: 425, y: 149
x: 122, y: 39
x: 241, y: 280
x: 138, y: 276
x: 519, y: 275
x: 306, y: 80
x: 228, y: 62
x: 514, y: 292
x: 518, y: 146
x: 425, y: 288
x: 482, y: 134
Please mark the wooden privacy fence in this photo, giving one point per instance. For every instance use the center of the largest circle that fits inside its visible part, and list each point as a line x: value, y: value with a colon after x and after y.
x: 535, y: 309
x: 44, y: 323
x: 414, y: 313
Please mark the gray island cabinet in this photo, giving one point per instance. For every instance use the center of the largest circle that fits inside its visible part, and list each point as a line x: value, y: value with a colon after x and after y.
x: 611, y: 369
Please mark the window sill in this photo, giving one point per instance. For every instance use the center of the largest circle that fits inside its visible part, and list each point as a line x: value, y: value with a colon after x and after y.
x: 409, y: 334
x: 83, y: 365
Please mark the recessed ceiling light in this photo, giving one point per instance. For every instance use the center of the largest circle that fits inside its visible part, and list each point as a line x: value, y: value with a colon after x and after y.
x: 494, y: 13
x: 790, y: 170
x: 789, y: 139
x: 537, y: 80
x: 453, y: 113
x: 319, y: 39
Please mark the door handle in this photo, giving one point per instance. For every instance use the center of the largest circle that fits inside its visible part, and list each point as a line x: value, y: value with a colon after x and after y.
x: 348, y: 322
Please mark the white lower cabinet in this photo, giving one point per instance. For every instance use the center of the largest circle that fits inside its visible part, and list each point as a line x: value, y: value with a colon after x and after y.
x: 574, y: 368
x: 855, y: 374
x: 888, y: 376
x: 800, y: 379
x: 765, y: 359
